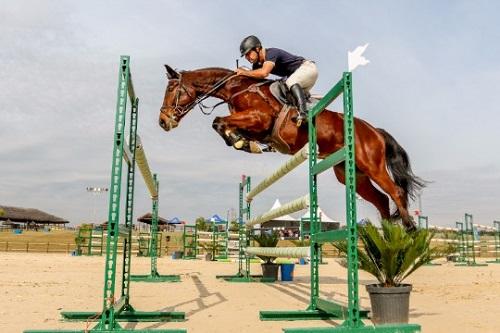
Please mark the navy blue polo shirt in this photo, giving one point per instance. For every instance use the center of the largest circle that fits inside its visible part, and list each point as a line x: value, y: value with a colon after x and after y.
x: 284, y: 63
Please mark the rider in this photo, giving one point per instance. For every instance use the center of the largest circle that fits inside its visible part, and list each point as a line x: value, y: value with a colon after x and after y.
x: 300, y: 74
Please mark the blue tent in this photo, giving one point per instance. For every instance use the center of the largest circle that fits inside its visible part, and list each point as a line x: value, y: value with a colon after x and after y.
x: 216, y: 218
x: 175, y: 220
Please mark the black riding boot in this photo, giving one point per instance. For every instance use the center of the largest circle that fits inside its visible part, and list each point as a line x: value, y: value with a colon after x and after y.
x: 300, y: 97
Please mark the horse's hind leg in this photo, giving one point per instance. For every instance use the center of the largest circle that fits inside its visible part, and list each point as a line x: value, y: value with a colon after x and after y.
x: 366, y: 190
x: 382, y: 178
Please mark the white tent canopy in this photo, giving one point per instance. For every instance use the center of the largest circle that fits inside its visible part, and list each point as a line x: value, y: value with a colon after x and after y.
x: 287, y: 217
x: 321, y: 214
x: 324, y: 217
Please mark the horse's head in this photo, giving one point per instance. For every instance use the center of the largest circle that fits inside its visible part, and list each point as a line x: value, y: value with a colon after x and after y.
x: 180, y: 98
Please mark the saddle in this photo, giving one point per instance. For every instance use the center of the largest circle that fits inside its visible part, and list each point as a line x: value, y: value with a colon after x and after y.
x: 280, y: 91
x: 283, y: 95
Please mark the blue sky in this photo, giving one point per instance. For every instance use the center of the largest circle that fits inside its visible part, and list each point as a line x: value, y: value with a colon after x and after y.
x: 432, y: 82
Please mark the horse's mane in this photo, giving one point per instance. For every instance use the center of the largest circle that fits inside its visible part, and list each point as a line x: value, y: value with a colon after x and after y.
x: 209, y: 69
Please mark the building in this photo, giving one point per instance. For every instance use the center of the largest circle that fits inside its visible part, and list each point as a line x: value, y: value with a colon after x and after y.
x: 163, y: 223
x: 29, y: 218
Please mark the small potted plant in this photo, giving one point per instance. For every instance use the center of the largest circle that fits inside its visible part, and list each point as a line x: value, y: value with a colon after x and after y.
x: 211, y: 250
x: 269, y: 268
x: 208, y: 248
x: 79, y: 241
x: 391, y: 256
x: 177, y: 254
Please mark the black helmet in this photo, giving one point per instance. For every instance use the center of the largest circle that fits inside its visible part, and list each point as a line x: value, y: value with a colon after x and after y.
x: 249, y: 43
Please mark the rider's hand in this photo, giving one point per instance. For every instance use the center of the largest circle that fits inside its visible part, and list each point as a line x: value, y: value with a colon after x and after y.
x: 241, y: 71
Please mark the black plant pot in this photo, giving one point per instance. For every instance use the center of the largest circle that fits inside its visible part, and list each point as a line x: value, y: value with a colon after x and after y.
x: 270, y: 271
x: 389, y: 304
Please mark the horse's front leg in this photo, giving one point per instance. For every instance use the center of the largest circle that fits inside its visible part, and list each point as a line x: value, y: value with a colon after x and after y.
x: 219, y: 126
x: 233, y: 127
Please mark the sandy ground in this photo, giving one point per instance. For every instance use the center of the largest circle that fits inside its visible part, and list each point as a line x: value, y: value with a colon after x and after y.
x: 34, y: 288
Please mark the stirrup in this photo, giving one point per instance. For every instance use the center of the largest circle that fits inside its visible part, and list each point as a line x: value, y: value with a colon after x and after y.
x: 300, y: 119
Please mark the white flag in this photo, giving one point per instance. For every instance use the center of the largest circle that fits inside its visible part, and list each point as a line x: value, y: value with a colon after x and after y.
x: 355, y: 58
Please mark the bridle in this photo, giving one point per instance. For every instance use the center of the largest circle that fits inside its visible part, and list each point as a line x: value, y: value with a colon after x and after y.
x: 181, y: 110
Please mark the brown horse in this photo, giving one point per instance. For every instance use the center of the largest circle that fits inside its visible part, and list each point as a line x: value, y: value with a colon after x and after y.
x: 253, y: 114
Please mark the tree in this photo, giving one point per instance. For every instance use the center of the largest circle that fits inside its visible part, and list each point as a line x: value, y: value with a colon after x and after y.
x: 234, y: 226
x: 202, y: 224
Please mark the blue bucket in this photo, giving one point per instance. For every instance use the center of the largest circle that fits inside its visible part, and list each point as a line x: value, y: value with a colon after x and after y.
x: 287, y: 272
x: 302, y: 261
x: 177, y: 255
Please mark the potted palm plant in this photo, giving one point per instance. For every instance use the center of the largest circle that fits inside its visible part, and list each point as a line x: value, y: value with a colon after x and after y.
x: 269, y: 268
x: 391, y: 256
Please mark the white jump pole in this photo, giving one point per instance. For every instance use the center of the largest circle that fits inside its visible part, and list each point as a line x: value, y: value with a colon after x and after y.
x: 282, y: 252
x: 288, y: 208
x: 142, y: 163
x: 291, y: 164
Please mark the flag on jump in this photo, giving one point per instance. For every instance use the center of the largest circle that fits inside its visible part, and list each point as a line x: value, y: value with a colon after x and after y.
x: 355, y: 58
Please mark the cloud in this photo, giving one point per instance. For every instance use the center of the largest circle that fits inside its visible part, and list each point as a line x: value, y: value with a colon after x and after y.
x: 455, y: 192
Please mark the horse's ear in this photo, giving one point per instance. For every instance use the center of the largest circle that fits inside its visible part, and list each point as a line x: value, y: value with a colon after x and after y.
x: 171, y: 73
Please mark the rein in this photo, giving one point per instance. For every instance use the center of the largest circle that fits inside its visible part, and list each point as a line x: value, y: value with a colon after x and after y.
x: 182, y: 110
x: 254, y: 88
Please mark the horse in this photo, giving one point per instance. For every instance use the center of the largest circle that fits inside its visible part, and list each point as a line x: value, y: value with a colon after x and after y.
x: 253, y: 115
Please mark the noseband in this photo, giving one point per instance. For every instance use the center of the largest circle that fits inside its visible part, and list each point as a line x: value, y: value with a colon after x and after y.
x: 181, y: 110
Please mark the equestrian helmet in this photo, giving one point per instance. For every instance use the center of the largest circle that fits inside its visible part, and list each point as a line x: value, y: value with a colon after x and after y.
x: 249, y: 43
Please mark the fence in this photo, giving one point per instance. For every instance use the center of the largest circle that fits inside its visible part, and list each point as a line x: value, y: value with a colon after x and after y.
x: 8, y: 246
x: 53, y: 247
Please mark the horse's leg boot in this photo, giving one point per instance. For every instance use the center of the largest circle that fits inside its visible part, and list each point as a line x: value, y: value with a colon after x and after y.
x: 255, y: 148
x: 239, y: 144
x: 237, y: 141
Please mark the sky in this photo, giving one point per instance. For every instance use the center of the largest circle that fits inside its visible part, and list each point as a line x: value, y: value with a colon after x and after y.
x: 432, y: 82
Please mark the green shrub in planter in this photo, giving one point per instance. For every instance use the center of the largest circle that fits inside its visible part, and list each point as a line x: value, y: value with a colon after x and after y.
x: 391, y: 256
x: 211, y: 250
x: 269, y: 268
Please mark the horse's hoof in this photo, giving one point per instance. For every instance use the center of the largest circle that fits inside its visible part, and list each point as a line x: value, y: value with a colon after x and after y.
x: 239, y: 144
x: 254, y: 148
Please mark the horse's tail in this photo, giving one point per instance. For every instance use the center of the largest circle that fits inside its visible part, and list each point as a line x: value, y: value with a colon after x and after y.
x: 398, y: 163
